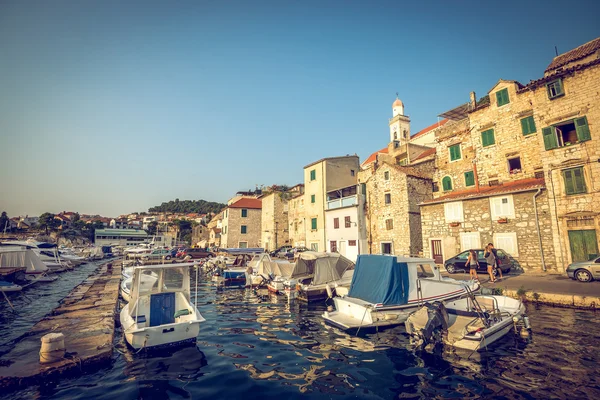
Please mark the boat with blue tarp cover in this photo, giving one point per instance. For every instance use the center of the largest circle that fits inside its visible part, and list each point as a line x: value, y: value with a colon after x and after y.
x: 386, y: 289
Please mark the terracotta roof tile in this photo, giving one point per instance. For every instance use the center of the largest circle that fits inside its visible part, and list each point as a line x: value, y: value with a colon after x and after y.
x: 521, y: 185
x: 576, y: 54
x: 410, y: 171
x: 373, y: 157
x: 247, y: 203
x: 430, y: 128
x: 424, y: 154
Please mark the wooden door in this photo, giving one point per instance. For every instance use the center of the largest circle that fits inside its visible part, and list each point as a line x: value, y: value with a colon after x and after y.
x: 436, y: 251
x: 584, y: 245
x: 162, y: 309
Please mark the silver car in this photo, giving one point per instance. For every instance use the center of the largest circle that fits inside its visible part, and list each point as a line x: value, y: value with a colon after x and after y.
x: 584, y: 271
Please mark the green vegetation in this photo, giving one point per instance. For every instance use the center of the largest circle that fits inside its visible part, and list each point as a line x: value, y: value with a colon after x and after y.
x: 48, y: 222
x: 522, y: 292
x: 189, y: 206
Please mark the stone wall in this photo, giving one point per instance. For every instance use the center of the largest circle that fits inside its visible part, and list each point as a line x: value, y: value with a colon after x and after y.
x: 274, y: 220
x: 234, y: 222
x: 296, y: 221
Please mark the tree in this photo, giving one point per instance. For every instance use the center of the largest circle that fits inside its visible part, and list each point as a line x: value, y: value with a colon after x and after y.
x: 4, y: 221
x: 79, y: 224
x: 76, y: 217
x: 48, y: 222
x: 152, y: 228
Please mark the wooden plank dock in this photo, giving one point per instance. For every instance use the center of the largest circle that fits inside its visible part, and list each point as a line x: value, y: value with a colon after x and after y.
x: 86, y: 317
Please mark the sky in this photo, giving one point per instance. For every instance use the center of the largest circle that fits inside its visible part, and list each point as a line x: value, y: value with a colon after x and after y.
x: 110, y: 107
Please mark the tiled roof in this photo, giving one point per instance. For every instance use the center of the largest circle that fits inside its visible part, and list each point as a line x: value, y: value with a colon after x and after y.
x: 247, y: 203
x: 522, y: 185
x: 576, y: 54
x: 424, y: 154
x: 373, y: 157
x: 330, y: 159
x: 565, y: 72
x: 430, y: 128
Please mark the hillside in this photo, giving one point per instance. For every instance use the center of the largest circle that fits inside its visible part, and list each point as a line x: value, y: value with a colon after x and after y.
x: 188, y: 206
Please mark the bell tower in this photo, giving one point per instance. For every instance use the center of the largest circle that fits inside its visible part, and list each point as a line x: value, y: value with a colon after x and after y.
x: 399, y: 125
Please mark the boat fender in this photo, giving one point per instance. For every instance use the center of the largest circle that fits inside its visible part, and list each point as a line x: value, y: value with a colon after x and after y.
x: 526, y: 322
x: 329, y: 291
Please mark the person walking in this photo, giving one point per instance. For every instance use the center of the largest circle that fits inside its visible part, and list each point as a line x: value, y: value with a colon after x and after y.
x: 473, y: 264
x: 496, y: 266
x: 490, y: 258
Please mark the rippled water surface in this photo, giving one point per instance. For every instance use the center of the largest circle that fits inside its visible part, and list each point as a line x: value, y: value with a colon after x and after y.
x: 257, y: 346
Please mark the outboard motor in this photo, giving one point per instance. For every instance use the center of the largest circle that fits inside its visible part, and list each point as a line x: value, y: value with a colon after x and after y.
x: 427, y: 324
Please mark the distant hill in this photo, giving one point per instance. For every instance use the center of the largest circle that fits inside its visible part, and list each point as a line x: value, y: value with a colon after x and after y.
x: 189, y: 206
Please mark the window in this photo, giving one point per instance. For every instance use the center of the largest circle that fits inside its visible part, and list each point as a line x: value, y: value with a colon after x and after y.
x: 507, y: 242
x: 314, y: 246
x: 333, y: 246
x: 502, y: 97
x: 566, y: 133
x: 446, y: 183
x: 514, y: 165
x: 363, y: 188
x: 351, y: 242
x: 388, y: 198
x: 528, y: 125
x: 389, y: 224
x: 454, y: 152
x: 244, y: 213
x: 386, y: 248
x: 313, y: 174
x: 403, y: 161
x: 244, y: 229
x: 425, y: 271
x: 574, y: 180
x: 502, y: 207
x: 312, y: 198
x: 336, y: 223
x: 347, y: 222
x: 351, y: 172
x: 313, y: 223
x: 242, y: 245
x: 453, y: 212
x: 469, y: 178
x: 295, y: 226
x: 555, y: 89
x: 435, y: 187
x: 226, y: 213
x: 386, y: 175
x: 487, y: 138
x: 470, y: 240
x: 225, y: 230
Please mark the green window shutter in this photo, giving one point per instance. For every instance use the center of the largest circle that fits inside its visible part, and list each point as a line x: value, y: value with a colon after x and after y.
x: 313, y: 223
x: 312, y: 198
x: 244, y: 213
x: 578, y: 180
x: 550, y: 140
x: 487, y: 138
x: 469, y: 178
x: 502, y: 97
x: 528, y: 125
x: 569, y: 187
x: 583, y: 129
x: 313, y: 175
x: 243, y: 229
x: 455, y: 152
x: 447, y: 183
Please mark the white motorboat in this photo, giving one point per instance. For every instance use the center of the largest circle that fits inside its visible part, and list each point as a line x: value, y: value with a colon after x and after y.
x: 7, y: 287
x: 47, y: 253
x: 385, y: 290
x: 319, y: 274
x: 470, y: 323
x: 164, y: 315
x: 148, y: 279
x: 13, y: 256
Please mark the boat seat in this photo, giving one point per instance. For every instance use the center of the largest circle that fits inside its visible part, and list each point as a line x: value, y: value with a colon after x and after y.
x: 141, y: 319
x: 181, y: 313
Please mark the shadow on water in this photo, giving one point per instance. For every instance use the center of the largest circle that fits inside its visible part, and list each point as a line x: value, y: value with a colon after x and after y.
x: 256, y: 345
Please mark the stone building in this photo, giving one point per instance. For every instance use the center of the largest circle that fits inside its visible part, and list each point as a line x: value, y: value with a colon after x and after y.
x: 242, y: 224
x: 297, y: 220
x: 395, y: 180
x: 515, y: 168
x: 274, y: 219
x: 200, y: 236
x: 321, y: 177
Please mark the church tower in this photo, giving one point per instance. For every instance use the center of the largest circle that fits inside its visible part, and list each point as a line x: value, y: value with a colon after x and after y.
x: 399, y: 125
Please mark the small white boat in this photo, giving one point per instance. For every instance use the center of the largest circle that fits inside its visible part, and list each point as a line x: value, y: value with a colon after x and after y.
x: 323, y: 273
x: 9, y: 287
x: 164, y: 315
x: 471, y: 323
x: 385, y: 290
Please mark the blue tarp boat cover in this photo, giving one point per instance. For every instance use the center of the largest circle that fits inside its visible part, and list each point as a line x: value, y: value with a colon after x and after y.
x: 380, y: 280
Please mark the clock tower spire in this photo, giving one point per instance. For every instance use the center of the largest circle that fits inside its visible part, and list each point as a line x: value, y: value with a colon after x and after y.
x: 399, y: 125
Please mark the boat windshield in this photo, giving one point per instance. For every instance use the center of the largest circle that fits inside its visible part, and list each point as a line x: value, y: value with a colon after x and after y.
x: 173, y: 278
x: 425, y: 271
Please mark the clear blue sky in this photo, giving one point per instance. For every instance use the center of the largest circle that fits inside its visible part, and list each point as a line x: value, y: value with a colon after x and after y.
x: 112, y: 107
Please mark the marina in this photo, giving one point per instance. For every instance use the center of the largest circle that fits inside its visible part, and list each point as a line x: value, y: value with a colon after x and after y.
x: 257, y: 344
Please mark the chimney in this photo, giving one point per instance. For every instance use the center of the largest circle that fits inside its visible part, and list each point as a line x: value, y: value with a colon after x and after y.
x: 473, y: 101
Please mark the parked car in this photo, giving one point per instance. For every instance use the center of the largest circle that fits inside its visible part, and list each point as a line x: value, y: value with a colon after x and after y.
x: 195, y: 253
x: 157, y: 254
x: 459, y: 261
x: 584, y: 271
x: 292, y: 252
x: 280, y: 252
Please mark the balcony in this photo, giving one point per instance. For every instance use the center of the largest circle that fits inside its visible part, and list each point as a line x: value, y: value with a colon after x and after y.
x: 342, y: 202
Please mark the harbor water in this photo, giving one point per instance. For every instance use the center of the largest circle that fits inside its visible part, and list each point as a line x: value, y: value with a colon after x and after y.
x: 254, y: 345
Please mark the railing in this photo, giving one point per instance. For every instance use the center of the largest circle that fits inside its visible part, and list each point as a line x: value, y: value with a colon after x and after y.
x: 343, y: 202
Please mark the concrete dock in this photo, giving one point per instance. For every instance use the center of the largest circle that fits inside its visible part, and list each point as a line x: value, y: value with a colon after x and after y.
x: 86, y: 317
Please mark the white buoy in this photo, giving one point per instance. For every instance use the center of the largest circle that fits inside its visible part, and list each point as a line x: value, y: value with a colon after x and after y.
x: 53, y: 348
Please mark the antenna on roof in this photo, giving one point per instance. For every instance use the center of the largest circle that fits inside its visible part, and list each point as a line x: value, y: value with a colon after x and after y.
x: 396, y: 94
x: 556, y: 50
